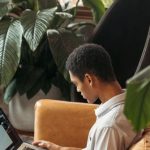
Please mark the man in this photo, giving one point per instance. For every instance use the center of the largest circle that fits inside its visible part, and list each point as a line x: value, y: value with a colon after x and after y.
x: 91, y: 71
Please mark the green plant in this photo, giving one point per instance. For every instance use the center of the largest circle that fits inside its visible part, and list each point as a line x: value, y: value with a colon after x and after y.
x: 29, y: 61
x: 137, y: 106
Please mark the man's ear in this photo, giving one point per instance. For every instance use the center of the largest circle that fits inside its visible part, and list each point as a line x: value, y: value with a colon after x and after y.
x: 89, y: 79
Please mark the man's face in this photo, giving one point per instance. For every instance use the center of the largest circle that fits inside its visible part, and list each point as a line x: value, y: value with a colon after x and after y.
x: 84, y: 87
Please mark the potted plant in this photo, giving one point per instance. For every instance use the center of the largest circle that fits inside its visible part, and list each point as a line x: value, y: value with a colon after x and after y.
x: 26, y: 42
x: 35, y: 43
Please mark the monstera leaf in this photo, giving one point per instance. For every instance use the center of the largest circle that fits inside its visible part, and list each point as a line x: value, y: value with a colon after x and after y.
x: 62, y: 42
x: 97, y: 7
x: 137, y: 106
x: 10, y: 45
x: 35, y: 25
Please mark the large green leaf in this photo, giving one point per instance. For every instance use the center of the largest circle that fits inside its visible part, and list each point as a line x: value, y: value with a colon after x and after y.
x: 37, y: 69
x: 137, y: 106
x: 97, y: 7
x: 10, y: 45
x: 107, y: 3
x: 4, y: 1
x: 34, y: 4
x: 47, y: 4
x: 38, y: 4
x: 63, y: 85
x: 29, y: 4
x: 62, y: 19
x: 35, y: 25
x: 5, y: 7
x: 27, y: 76
x: 3, y: 10
x: 62, y: 42
x: 43, y: 83
x: 82, y: 29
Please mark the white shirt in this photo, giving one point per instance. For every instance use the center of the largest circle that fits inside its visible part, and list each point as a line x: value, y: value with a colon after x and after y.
x: 111, y: 131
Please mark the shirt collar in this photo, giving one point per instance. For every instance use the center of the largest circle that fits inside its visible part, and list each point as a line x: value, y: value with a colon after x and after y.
x: 111, y: 103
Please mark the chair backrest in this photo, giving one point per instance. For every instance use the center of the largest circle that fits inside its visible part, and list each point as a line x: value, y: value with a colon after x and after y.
x: 64, y: 123
x: 122, y: 31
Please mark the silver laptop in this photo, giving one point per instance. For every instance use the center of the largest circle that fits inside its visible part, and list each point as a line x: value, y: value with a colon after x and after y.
x: 9, y: 138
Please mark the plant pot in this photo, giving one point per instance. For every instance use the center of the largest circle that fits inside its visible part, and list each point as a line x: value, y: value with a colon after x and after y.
x: 21, y: 110
x: 2, y: 104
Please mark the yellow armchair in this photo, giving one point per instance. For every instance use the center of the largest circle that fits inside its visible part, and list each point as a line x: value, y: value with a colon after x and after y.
x: 64, y: 123
x: 68, y: 124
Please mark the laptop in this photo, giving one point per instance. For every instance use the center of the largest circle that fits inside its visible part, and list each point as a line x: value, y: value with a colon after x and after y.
x: 9, y: 138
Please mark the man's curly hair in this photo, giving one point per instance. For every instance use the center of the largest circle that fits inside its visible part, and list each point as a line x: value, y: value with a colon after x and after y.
x: 92, y: 59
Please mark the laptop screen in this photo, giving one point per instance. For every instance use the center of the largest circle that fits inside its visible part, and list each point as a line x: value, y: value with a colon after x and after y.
x: 9, y: 139
x: 4, y: 138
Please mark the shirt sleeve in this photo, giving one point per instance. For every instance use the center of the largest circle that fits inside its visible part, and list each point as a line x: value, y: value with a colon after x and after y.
x: 108, y: 139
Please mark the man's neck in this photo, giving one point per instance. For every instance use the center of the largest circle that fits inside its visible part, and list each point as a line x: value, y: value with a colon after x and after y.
x: 107, y: 91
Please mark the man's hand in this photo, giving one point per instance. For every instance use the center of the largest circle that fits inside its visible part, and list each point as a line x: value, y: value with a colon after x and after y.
x: 52, y: 146
x: 46, y: 145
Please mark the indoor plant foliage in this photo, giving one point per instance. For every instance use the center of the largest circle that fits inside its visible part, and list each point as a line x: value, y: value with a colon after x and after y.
x: 28, y: 62
x: 138, y: 97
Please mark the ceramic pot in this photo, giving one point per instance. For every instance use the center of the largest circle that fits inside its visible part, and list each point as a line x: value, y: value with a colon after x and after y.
x: 21, y: 110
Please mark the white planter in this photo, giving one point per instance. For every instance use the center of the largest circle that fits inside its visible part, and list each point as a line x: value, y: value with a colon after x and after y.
x: 2, y: 104
x: 21, y: 110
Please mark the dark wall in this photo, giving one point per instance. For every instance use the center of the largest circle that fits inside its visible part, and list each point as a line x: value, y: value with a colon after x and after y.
x: 122, y: 32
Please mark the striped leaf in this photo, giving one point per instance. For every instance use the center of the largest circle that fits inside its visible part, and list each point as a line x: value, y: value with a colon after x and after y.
x: 62, y: 42
x: 35, y: 25
x: 10, y: 49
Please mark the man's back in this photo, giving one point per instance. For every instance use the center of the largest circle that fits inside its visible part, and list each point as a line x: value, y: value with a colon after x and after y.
x: 111, y: 130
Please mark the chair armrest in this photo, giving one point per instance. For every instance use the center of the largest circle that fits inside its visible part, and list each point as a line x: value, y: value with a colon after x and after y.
x: 144, y: 142
x: 64, y: 123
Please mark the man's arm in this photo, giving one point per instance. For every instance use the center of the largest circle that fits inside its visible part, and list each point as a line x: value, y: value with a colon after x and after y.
x: 108, y: 138
x: 52, y: 146
x: 69, y: 148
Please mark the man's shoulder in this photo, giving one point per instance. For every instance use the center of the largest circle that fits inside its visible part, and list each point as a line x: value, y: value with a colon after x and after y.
x: 112, y: 118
